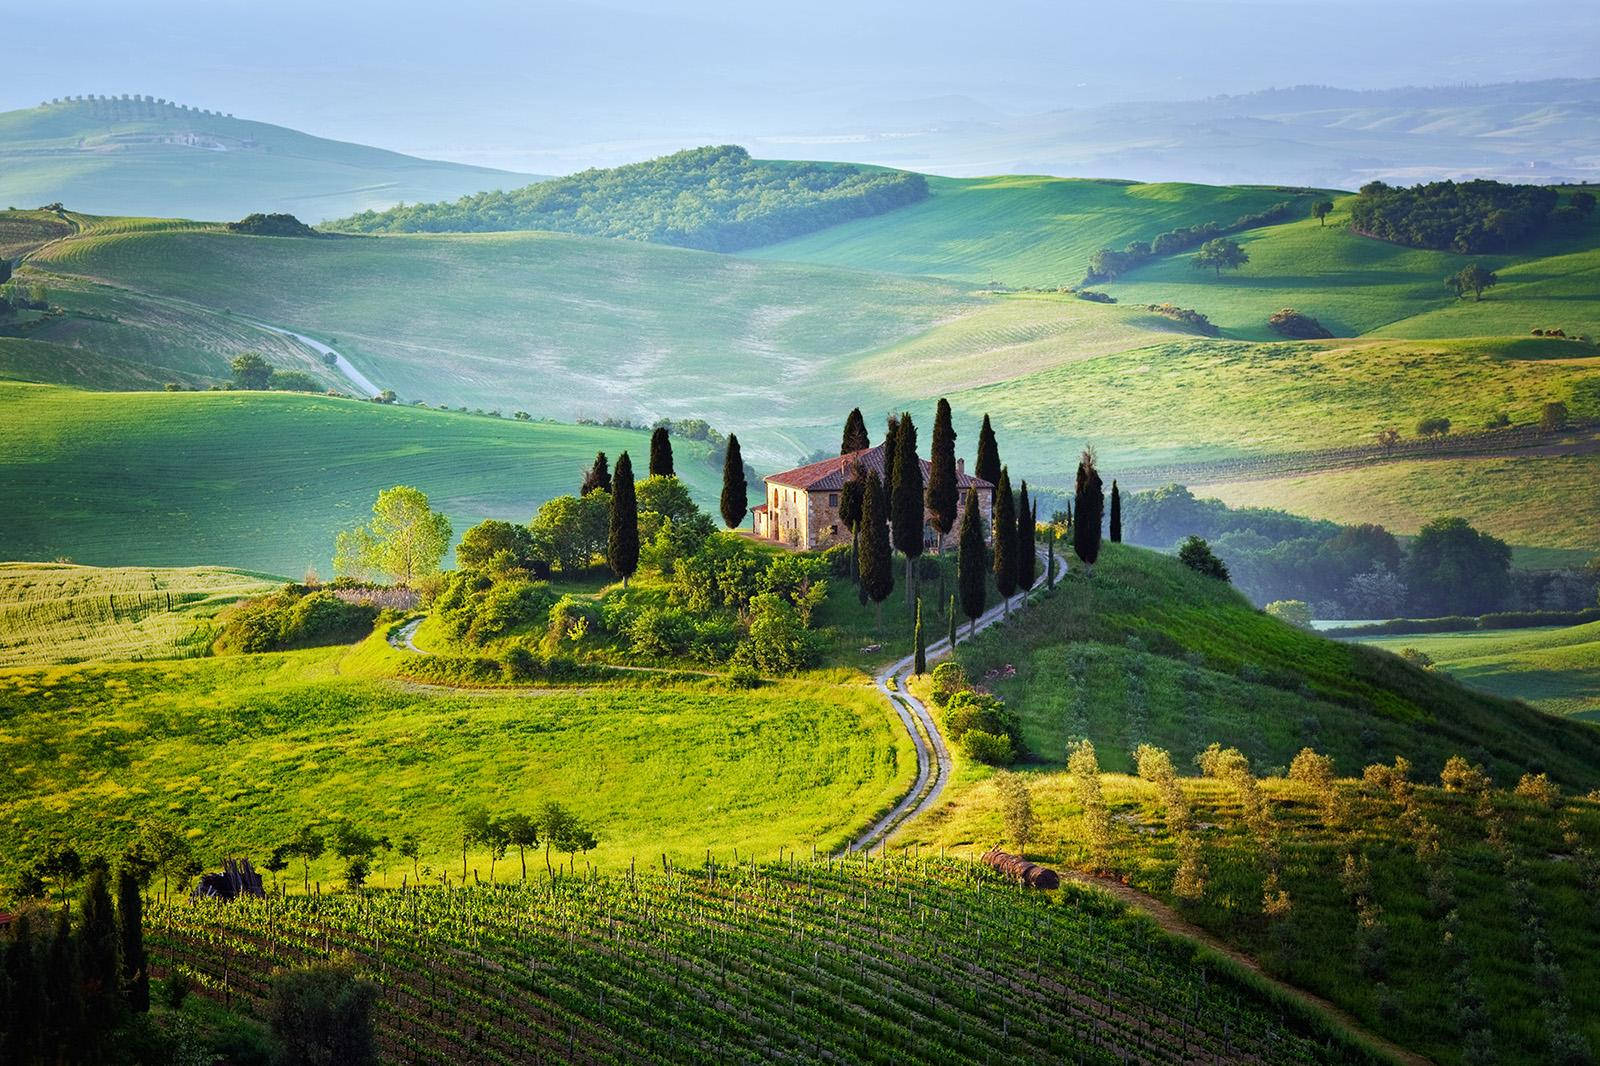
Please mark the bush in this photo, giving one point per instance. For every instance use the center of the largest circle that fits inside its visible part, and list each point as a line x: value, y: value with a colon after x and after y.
x: 1294, y: 612
x: 275, y: 225
x: 519, y: 664
x: 1418, y: 658
x: 457, y: 670
x: 660, y: 632
x: 1186, y: 316
x: 948, y: 679
x: 1197, y: 555
x: 571, y: 620
x: 293, y: 381
x: 743, y: 675
x: 988, y: 748
x: 1433, y: 427
x: 970, y: 710
x: 1096, y: 297
x: 1296, y: 326
x: 476, y: 608
x: 294, y: 617
x: 322, y: 1013
x: 714, y: 640
x: 778, y: 640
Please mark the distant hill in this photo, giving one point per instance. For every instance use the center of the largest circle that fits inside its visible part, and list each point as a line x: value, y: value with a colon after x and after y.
x: 716, y: 199
x: 133, y: 155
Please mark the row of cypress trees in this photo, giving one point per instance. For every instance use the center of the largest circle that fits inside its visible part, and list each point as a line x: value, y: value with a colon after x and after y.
x: 67, y: 987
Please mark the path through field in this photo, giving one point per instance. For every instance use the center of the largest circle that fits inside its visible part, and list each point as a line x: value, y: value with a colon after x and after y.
x: 357, y: 378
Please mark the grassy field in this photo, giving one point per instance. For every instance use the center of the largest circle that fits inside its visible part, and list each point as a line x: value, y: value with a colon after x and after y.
x: 241, y: 750
x: 1019, y: 230
x: 1526, y: 499
x: 54, y: 613
x: 1557, y: 670
x: 121, y: 157
x: 1355, y: 285
x: 265, y: 480
x: 559, y: 326
x: 759, y: 961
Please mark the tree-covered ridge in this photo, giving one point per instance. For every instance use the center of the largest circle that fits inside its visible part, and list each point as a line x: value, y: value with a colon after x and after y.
x: 715, y: 198
x: 1469, y: 217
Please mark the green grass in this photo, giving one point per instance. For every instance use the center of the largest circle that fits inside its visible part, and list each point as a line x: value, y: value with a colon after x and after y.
x: 804, y: 962
x: 1172, y: 658
x: 1557, y: 670
x: 557, y: 325
x: 127, y: 159
x: 265, y: 480
x: 60, y: 613
x: 1355, y: 285
x: 241, y: 750
x: 1531, y: 499
x: 1019, y: 230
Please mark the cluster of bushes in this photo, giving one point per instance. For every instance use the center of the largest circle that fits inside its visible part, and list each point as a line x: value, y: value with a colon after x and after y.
x: 715, y: 198
x: 518, y: 664
x: 979, y: 723
x: 1297, y: 326
x: 273, y: 225
x: 296, y: 616
x: 1096, y: 297
x: 477, y: 606
x: 1108, y: 263
x: 1186, y: 316
x: 1454, y: 623
x: 1469, y: 217
x: 251, y: 371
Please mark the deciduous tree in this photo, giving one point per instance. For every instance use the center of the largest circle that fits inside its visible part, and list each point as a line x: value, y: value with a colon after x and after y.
x: 1220, y: 253
x: 1321, y: 210
x: 405, y: 540
x: 1016, y: 806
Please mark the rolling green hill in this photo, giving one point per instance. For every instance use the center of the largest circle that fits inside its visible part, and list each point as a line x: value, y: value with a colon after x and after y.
x: 1554, y: 669
x: 146, y: 157
x: 264, y: 480
x: 1020, y: 230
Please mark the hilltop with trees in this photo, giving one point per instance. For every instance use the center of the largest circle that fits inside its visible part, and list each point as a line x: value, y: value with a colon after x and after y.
x: 1472, y: 217
x: 714, y: 198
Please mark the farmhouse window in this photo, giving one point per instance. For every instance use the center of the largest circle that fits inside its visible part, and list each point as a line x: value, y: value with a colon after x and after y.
x: 833, y: 499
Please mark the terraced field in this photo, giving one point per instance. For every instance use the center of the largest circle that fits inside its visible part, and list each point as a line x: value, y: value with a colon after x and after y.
x: 265, y: 480
x: 60, y: 613
x: 891, y: 961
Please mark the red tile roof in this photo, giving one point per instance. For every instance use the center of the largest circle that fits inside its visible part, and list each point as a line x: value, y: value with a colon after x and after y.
x: 829, y: 475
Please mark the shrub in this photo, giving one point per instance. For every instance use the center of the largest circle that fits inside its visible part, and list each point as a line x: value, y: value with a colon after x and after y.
x: 1417, y: 657
x: 1433, y: 427
x: 970, y: 710
x: 948, y: 679
x: 1197, y: 555
x: 778, y: 640
x: 1459, y: 775
x: 322, y: 1012
x: 1096, y: 297
x: 294, y: 617
x: 714, y: 640
x: 660, y: 632
x: 571, y: 620
x: 520, y: 664
x: 1296, y: 326
x: 1553, y: 417
x: 989, y: 748
x: 1294, y: 612
x: 743, y: 675
x: 464, y: 670
x: 1186, y: 316
x: 1540, y: 789
x: 477, y: 609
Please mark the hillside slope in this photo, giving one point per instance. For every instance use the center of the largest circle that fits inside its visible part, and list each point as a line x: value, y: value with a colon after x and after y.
x: 1557, y: 670
x: 145, y: 157
x: 265, y: 480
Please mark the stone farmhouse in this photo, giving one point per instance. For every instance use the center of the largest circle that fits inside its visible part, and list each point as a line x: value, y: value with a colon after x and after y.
x: 802, y: 508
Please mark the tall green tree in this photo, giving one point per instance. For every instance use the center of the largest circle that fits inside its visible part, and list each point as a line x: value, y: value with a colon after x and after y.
x: 308, y: 846
x: 598, y: 476
x: 850, y: 499
x: 855, y: 433
x: 130, y: 927
x: 522, y: 833
x: 951, y: 620
x: 1321, y: 209
x: 405, y: 540
x: 987, y: 463
x: 622, y: 541
x: 1027, y: 554
x: 1116, y: 513
x: 250, y: 371
x: 906, y: 509
x: 661, y: 453
x: 1473, y: 278
x: 99, y: 961
x: 891, y: 450
x: 1088, y: 507
x: 919, y: 661
x: 972, y: 577
x: 942, y: 491
x: 1005, y: 540
x: 1050, y: 560
x: 875, y: 559
x: 1453, y: 568
x: 735, y: 490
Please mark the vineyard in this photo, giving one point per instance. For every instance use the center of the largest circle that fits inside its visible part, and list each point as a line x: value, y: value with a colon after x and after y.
x: 884, y: 960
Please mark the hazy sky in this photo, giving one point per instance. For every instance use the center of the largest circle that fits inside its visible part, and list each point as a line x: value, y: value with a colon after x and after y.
x: 550, y: 87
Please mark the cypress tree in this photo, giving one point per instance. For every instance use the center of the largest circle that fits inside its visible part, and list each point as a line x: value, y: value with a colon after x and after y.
x: 1116, y: 513
x: 661, y: 453
x: 875, y: 559
x: 855, y: 433
x: 850, y: 511
x: 99, y: 967
x: 622, y: 541
x: 1027, y: 557
x: 890, y: 451
x: 598, y: 476
x: 1005, y: 540
x: 130, y: 924
x: 63, y: 993
x: 972, y: 577
x: 919, y: 664
x: 951, y: 635
x: 1089, y: 501
x: 906, y: 506
x: 1050, y: 563
x: 987, y: 465
x: 942, y: 494
x: 735, y: 490
x: 25, y: 1013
